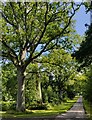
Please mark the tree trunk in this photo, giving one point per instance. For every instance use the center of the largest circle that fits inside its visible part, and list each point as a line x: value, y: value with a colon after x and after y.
x: 40, y: 91
x: 21, y: 91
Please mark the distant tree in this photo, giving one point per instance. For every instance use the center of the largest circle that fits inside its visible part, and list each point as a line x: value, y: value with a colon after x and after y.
x: 87, y: 88
x: 84, y: 54
x: 84, y: 57
x: 63, y: 68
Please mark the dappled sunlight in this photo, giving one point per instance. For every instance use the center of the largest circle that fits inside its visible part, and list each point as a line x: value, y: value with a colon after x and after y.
x: 2, y: 112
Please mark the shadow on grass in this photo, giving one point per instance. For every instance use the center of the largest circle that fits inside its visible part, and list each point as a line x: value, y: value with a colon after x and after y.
x: 56, y: 110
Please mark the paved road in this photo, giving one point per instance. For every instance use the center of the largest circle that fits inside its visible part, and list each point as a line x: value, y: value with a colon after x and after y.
x: 75, y: 113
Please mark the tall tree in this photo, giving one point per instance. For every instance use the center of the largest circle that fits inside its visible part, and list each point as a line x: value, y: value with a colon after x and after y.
x: 84, y: 54
x: 26, y: 26
x: 63, y: 71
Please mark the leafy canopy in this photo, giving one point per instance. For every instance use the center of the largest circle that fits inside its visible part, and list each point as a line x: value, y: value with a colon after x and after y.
x: 27, y: 26
x: 84, y: 54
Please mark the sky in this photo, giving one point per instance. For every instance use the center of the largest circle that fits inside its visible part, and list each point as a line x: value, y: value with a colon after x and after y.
x: 81, y: 19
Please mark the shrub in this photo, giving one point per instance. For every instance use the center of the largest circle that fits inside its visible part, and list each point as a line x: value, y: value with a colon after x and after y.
x: 10, y: 105
x: 38, y: 106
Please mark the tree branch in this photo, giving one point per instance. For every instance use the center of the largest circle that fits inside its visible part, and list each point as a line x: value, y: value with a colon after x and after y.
x: 52, y: 38
x: 32, y: 8
x: 11, y: 52
x: 9, y: 56
x: 6, y: 19
x: 15, y: 17
x: 46, y: 13
x: 57, y: 35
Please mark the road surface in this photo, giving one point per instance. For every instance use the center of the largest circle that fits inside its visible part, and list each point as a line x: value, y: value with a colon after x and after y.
x: 77, y: 112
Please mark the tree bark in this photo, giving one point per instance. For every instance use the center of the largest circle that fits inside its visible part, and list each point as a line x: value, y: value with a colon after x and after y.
x: 40, y: 91
x: 21, y: 91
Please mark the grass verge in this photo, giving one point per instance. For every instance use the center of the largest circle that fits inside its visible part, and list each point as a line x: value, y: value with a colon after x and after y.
x: 52, y: 111
x: 88, y: 108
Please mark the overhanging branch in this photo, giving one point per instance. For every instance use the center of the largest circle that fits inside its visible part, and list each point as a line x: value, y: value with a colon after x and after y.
x: 6, y: 19
x: 11, y: 52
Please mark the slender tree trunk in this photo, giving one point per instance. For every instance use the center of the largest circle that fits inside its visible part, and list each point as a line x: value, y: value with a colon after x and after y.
x: 40, y: 91
x: 21, y: 91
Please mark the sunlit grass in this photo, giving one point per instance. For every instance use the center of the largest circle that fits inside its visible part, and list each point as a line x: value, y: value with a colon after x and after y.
x: 54, y: 110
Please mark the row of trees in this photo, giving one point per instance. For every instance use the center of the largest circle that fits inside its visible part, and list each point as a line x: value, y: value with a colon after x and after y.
x: 84, y: 56
x: 52, y: 80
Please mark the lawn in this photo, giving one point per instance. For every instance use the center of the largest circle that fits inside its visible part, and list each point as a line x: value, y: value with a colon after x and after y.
x: 53, y: 110
x: 88, y: 108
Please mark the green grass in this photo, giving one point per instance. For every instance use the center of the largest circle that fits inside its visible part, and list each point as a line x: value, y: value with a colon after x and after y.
x: 88, y: 108
x: 53, y: 110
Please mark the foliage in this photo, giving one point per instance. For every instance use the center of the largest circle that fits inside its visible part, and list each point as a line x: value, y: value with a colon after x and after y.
x: 88, y: 108
x: 84, y: 57
x: 10, y: 105
x: 24, y: 21
x: 71, y: 92
x: 88, y: 6
x: 88, y: 85
x: 38, y: 106
x: 60, y: 64
x: 9, y: 83
x: 84, y: 54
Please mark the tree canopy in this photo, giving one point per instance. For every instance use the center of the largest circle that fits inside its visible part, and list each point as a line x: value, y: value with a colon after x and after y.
x: 84, y: 54
x: 26, y: 26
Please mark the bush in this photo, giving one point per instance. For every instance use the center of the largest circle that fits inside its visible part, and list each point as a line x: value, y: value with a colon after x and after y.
x: 10, y: 105
x: 38, y: 106
x: 70, y: 92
